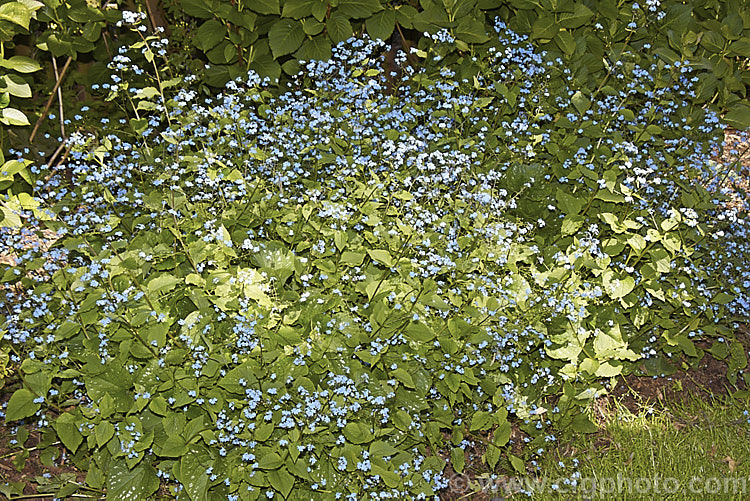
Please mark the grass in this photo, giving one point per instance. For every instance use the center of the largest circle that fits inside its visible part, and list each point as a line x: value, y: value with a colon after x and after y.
x: 695, y: 449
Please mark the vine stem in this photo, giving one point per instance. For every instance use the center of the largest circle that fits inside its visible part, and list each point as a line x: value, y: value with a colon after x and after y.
x: 59, y: 100
x: 51, y: 98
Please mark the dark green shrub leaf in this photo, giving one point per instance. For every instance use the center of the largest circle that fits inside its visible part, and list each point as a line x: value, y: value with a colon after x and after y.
x: 265, y: 6
x: 565, y: 42
x: 198, y: 8
x: 381, y: 25
x: 317, y: 48
x: 580, y: 16
x: 270, y: 461
x: 545, y: 28
x: 739, y: 116
x: 358, y: 9
x: 297, y: 9
x: 209, y: 34
x: 471, y: 30
x: 338, y: 27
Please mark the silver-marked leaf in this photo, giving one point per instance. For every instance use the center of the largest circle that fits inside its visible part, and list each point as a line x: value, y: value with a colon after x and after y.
x: 124, y: 484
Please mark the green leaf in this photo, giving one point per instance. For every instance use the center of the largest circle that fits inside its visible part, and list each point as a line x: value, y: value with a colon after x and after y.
x: 502, y: 434
x: 339, y: 28
x: 405, y: 15
x: 285, y: 36
x: 92, y: 31
x: 381, y: 25
x: 740, y: 48
x: 580, y: 16
x: 581, y: 102
x: 103, y: 432
x: 21, y: 64
x: 315, y: 49
x: 481, y: 421
x: 565, y: 42
x: 312, y: 27
x: 67, y: 430
x: 352, y: 258
x: 517, y: 464
x: 608, y: 369
x: 264, y: 6
x: 381, y: 256
x: 196, y: 8
x: 319, y: 9
x: 13, y: 167
x: 21, y: 405
x: 390, y: 478
x: 404, y: 377
x: 359, y: 9
x: 266, y: 66
x: 113, y: 385
x: 209, y: 35
x: 282, y: 481
x: 15, y: 85
x: 739, y: 116
x: 722, y: 298
x: 32, y: 5
x: 458, y: 459
x: 297, y: 9
x: 582, y: 424
x: 471, y: 30
x: 492, y: 455
x: 615, y: 286
x: 193, y: 468
x: 381, y: 449
x: 17, y: 13
x: 357, y: 433
x: 124, y: 484
x: 162, y: 283
x: 544, y: 28
x: 174, y: 447
x: 270, y: 461
x: 570, y: 204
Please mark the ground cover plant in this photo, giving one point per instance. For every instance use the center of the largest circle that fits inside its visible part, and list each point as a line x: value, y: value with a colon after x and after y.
x: 336, y: 291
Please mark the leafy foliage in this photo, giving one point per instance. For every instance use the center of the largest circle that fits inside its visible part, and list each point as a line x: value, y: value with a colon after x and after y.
x: 590, y: 36
x: 304, y: 294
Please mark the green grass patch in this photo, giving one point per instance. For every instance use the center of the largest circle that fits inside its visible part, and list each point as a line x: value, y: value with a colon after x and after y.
x: 695, y: 449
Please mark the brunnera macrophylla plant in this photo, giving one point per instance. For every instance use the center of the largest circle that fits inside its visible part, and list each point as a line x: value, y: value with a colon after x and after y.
x: 332, y: 292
